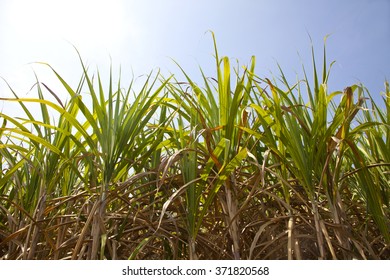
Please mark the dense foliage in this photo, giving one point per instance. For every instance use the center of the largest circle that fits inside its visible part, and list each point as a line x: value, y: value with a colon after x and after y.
x: 234, y: 167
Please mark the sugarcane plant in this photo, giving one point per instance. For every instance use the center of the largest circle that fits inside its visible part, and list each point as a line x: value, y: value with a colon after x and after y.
x: 234, y: 166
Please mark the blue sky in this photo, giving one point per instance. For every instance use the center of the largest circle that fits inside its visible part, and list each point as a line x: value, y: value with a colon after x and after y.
x: 144, y: 35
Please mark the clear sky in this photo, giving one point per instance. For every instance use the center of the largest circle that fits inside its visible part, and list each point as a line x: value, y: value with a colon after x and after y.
x: 142, y: 35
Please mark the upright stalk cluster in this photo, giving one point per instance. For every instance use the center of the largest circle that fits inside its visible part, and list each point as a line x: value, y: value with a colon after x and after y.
x: 234, y: 167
